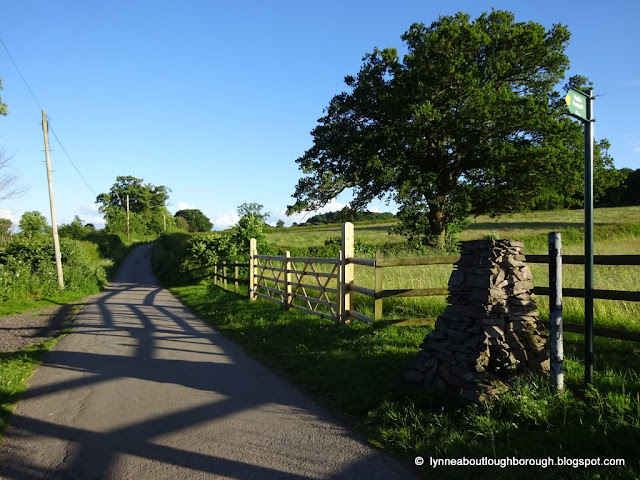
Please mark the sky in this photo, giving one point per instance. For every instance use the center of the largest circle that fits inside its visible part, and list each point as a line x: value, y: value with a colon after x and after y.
x: 216, y: 100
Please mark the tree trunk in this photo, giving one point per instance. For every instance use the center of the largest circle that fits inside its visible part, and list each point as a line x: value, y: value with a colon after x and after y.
x: 436, y: 224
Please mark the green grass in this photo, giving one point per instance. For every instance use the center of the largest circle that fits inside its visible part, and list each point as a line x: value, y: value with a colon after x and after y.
x: 357, y: 371
x: 514, y: 226
x: 16, y: 369
x: 617, y: 232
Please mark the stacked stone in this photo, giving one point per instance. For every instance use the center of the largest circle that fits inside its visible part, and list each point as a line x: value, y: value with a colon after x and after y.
x: 490, y: 330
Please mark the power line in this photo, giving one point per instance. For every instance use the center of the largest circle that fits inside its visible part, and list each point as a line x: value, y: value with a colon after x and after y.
x: 48, y: 119
x: 21, y: 76
x: 65, y: 152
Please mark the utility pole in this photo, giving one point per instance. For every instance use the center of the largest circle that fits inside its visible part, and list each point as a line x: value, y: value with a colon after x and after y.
x: 54, y: 224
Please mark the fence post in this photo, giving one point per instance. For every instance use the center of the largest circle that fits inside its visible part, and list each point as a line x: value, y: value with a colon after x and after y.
x: 555, y: 311
x: 235, y: 278
x: 288, y: 293
x: 253, y: 251
x: 348, y: 252
x: 215, y: 274
x: 224, y: 274
x: 377, y: 310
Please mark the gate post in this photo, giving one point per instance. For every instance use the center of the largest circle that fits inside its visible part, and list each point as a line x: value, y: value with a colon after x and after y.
x: 288, y: 298
x: 348, y: 252
x: 253, y: 251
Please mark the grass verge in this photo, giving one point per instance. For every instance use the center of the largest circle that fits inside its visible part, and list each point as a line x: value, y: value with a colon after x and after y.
x: 16, y: 369
x: 357, y: 372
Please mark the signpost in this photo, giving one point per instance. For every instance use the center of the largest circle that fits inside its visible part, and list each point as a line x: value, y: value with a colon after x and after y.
x: 577, y: 104
x: 580, y: 106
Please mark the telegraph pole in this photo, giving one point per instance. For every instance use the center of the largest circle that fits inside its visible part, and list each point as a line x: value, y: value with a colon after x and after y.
x: 54, y: 224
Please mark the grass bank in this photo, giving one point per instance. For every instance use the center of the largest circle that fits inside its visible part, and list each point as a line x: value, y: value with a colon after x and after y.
x: 357, y: 371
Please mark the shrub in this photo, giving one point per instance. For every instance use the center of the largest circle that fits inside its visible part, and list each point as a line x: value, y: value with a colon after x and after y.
x: 27, y: 268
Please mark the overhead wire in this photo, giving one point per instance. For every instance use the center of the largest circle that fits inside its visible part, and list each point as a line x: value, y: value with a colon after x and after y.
x: 48, y: 124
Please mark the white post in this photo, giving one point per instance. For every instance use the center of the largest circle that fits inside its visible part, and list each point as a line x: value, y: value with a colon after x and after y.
x: 288, y: 299
x: 348, y: 252
x: 555, y: 311
x: 253, y: 251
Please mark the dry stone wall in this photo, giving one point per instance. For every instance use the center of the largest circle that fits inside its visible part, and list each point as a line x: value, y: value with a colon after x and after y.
x: 490, y: 331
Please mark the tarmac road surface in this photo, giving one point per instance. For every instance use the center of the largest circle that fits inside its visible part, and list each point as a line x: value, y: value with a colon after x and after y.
x: 144, y: 389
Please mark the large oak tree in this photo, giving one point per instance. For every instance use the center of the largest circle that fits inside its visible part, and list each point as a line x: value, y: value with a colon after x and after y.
x: 468, y: 121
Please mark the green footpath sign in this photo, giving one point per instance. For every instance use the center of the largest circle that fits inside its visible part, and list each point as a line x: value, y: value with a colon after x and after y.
x: 577, y: 103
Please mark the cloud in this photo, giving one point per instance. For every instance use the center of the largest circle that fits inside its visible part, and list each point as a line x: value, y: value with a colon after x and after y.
x: 226, y: 220
x: 7, y: 213
x: 89, y: 214
x: 185, y: 206
x: 332, y: 206
x: 636, y: 149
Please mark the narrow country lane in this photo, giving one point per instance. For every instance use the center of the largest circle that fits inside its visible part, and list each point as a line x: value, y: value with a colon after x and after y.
x: 144, y: 389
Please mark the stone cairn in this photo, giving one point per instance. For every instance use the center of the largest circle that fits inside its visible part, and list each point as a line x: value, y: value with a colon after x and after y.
x: 490, y: 330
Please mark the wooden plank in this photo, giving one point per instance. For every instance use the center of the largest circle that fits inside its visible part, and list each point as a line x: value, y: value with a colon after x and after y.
x: 307, y: 273
x: 327, y: 261
x: 315, y: 300
x: 412, y: 292
x: 316, y: 288
x: 313, y: 312
x: 267, y: 297
x: 407, y: 262
x: 272, y: 290
x: 269, y: 279
x: 370, y: 292
x: 597, y: 293
x: 273, y: 269
x: 359, y: 316
x: 367, y: 262
x: 270, y: 257
x: 604, y: 332
x: 231, y: 279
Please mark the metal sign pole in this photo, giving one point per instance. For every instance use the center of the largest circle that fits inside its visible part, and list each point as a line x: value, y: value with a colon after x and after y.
x: 588, y: 241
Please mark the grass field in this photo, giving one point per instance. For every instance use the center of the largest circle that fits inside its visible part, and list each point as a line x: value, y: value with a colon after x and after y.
x: 357, y: 370
x: 617, y: 233
x: 514, y: 227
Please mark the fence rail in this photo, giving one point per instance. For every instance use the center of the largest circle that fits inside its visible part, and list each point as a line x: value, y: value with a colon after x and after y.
x: 325, y: 286
x: 221, y: 275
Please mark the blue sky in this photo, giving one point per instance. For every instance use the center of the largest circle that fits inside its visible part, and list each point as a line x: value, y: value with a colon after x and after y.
x: 216, y: 100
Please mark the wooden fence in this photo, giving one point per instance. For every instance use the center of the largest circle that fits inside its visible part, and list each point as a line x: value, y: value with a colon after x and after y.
x: 222, y: 275
x: 325, y: 286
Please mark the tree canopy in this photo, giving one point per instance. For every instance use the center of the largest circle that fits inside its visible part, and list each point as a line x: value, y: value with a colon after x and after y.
x: 196, y: 220
x: 3, y: 106
x: 468, y: 121
x: 147, y: 206
x: 33, y: 224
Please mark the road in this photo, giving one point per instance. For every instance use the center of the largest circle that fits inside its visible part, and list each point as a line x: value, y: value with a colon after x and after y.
x: 144, y: 389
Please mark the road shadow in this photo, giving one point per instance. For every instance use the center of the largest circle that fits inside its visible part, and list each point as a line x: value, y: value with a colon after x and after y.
x: 144, y: 389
